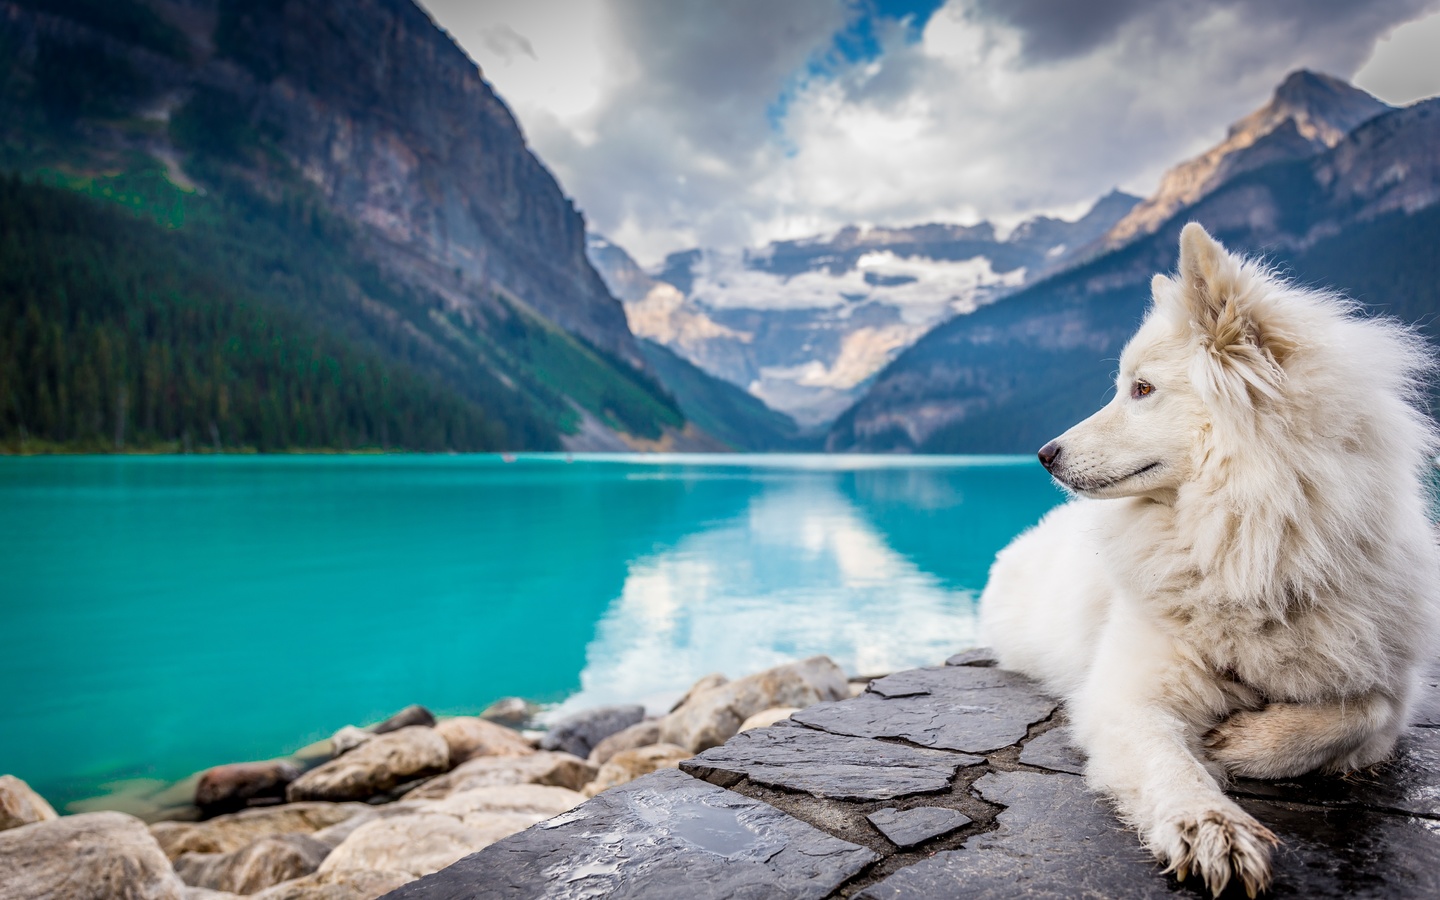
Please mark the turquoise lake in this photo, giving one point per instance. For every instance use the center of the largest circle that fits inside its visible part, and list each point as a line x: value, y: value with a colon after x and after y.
x: 159, y: 615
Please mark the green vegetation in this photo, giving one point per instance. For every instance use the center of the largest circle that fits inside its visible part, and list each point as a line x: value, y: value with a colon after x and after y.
x: 113, y: 336
x: 723, y: 410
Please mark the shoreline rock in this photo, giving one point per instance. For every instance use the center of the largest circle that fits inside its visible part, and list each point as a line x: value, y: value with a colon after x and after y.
x: 374, y: 808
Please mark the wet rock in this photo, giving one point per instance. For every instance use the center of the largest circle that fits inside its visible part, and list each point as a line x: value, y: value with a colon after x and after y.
x: 1057, y: 840
x: 580, y: 733
x: 767, y: 717
x: 379, y: 765
x: 1409, y: 781
x: 908, y: 827
x: 975, y: 656
x: 265, y: 863
x: 712, y: 717
x: 409, y: 717
x: 664, y: 835
x: 92, y: 856
x: 347, y: 739
x: 421, y: 843
x: 1427, y: 700
x: 706, y: 683
x: 471, y: 736
x: 628, y: 765
x: 235, y: 831
x: 230, y: 787
x: 967, y: 708
x: 511, y: 711
x: 1053, y: 750
x: 544, y: 767
x: 641, y: 734
x: 827, y: 765
x: 20, y: 805
x: 346, y: 884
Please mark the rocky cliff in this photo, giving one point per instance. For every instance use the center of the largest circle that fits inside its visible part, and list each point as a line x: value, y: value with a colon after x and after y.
x: 1308, y: 113
x: 369, y: 102
x: 358, y: 114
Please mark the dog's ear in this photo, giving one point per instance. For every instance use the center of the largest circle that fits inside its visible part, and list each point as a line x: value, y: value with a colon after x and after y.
x: 1207, y: 277
x: 1219, y: 298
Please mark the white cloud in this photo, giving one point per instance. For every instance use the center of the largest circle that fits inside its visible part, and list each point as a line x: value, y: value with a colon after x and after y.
x: 1405, y: 66
x: 676, y: 125
x: 824, y: 581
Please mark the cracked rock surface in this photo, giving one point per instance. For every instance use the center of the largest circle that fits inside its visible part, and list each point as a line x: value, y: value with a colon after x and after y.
x: 948, y: 782
x: 828, y: 765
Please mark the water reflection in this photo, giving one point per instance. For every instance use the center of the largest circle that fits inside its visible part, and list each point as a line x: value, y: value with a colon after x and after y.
x: 808, y: 569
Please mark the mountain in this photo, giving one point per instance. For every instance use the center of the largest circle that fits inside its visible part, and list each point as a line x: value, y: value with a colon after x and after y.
x: 804, y: 324
x: 346, y: 166
x: 1362, y: 216
x: 1308, y: 113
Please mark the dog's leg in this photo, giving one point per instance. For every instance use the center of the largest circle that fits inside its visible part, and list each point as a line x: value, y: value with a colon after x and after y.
x: 1135, y: 719
x: 1288, y: 739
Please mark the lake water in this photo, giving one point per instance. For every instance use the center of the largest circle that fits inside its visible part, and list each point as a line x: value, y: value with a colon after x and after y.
x: 159, y: 615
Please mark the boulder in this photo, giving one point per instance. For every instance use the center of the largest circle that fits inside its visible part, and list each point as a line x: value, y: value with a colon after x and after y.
x: 707, y: 682
x: 235, y: 831
x: 92, y: 856
x: 409, y: 717
x: 263, y: 864
x: 346, y: 884
x: 374, y: 767
x: 19, y: 805
x: 641, y: 734
x: 560, y: 769
x: 712, y: 717
x: 578, y: 734
x: 510, y: 711
x: 422, y: 843
x: 347, y: 739
x: 767, y: 717
x: 539, y: 800
x: 471, y: 736
x: 232, y: 786
x: 199, y: 893
x: 628, y: 765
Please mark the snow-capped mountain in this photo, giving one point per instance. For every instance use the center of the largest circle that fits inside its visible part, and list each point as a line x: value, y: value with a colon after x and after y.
x: 805, y: 324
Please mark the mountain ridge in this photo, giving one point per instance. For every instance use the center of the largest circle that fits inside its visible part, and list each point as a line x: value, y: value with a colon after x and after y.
x: 805, y: 324
x: 1016, y: 373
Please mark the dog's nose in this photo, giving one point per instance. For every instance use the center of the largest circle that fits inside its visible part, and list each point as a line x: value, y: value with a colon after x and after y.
x: 1048, y: 454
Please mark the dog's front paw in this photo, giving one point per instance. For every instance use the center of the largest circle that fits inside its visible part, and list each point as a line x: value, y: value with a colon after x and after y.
x: 1217, y: 845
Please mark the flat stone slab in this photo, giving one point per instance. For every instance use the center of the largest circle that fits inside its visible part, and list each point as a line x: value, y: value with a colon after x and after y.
x: 1408, y: 783
x: 1053, y: 750
x: 1056, y: 839
x: 976, y: 656
x: 908, y: 827
x: 966, y: 708
x: 828, y: 765
x: 662, y: 836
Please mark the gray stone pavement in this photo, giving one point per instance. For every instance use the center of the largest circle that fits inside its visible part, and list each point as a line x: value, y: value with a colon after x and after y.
x: 948, y: 782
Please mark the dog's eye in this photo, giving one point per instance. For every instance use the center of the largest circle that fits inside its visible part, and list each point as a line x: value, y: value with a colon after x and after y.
x: 1141, y: 389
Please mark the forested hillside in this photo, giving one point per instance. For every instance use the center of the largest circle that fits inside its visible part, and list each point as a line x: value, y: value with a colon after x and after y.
x: 254, y: 328
x: 289, y: 225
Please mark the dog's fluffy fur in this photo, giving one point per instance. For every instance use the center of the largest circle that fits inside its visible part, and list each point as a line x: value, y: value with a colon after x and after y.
x: 1250, y: 583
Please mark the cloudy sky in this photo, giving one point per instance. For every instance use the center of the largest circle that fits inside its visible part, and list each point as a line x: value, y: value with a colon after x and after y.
x: 726, y: 123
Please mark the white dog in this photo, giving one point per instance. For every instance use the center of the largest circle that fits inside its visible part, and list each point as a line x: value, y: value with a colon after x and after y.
x: 1253, y: 582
